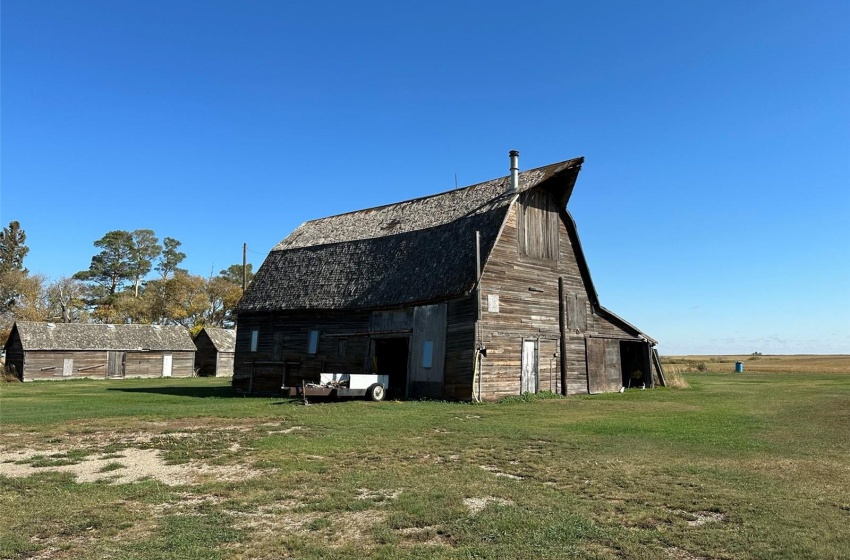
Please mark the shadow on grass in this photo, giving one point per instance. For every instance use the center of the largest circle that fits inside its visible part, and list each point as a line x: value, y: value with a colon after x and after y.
x: 196, y: 392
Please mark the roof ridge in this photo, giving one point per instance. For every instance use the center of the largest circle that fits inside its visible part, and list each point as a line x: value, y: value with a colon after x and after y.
x: 443, y: 193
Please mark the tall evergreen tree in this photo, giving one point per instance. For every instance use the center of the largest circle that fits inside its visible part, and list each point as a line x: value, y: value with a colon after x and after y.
x: 144, y: 249
x: 112, y: 267
x: 170, y: 258
x: 13, y: 247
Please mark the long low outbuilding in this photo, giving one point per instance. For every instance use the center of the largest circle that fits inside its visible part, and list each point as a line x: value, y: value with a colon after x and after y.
x: 37, y: 350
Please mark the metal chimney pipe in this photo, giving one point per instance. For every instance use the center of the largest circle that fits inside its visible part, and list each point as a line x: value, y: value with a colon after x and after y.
x: 514, y: 171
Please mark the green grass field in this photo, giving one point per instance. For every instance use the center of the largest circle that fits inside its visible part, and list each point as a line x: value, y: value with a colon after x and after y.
x: 737, y: 466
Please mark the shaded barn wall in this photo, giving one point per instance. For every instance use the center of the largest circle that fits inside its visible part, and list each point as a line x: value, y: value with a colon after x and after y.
x: 93, y: 364
x: 460, y: 348
x: 209, y: 361
x: 282, y: 357
x: 520, y: 301
x: 15, y: 354
x: 346, y: 342
x: 206, y: 355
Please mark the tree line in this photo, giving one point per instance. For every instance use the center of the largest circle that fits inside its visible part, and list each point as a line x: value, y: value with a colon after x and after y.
x: 132, y: 279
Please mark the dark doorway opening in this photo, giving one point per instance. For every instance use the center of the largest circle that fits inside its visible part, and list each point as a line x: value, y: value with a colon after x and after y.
x: 634, y: 360
x: 390, y: 358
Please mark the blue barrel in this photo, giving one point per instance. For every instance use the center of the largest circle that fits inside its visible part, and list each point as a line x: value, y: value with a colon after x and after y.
x: 739, y: 367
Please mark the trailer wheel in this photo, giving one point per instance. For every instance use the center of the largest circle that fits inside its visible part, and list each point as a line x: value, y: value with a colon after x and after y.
x: 375, y: 392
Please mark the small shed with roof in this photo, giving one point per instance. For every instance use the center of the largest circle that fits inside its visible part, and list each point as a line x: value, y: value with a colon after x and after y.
x: 215, y: 350
x: 476, y: 293
x: 69, y: 350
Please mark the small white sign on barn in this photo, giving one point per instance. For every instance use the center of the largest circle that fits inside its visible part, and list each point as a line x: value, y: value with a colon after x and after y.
x: 493, y: 303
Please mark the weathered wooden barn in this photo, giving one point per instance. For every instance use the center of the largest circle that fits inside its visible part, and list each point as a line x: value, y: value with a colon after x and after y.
x: 70, y: 350
x: 215, y: 350
x: 476, y: 293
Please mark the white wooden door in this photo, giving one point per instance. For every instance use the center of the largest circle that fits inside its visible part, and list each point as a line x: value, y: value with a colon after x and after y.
x: 67, y: 367
x: 166, y: 365
x: 528, y: 377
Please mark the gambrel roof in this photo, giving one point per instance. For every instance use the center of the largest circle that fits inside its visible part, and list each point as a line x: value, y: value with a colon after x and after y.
x: 80, y: 336
x: 411, y: 252
x: 224, y: 340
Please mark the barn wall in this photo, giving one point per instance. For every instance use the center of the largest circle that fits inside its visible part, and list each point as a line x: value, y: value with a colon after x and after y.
x: 15, y: 354
x: 519, y: 300
x: 92, y: 364
x: 149, y: 364
x: 281, y: 356
x: 224, y: 364
x: 527, y: 291
x: 282, y: 347
x: 49, y: 364
x: 205, y: 355
x: 460, y: 348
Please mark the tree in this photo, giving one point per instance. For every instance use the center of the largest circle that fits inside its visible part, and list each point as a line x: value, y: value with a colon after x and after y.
x: 144, y: 249
x: 223, y: 296
x: 179, y: 300
x: 112, y: 266
x: 22, y: 298
x: 233, y: 273
x: 170, y: 258
x: 22, y: 295
x: 65, y: 299
x: 13, y: 247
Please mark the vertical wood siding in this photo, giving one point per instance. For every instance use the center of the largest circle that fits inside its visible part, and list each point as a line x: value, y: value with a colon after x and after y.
x: 429, y: 326
x: 49, y: 364
x: 527, y: 290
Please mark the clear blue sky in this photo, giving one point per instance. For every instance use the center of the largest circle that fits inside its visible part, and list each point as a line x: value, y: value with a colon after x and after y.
x: 713, y: 205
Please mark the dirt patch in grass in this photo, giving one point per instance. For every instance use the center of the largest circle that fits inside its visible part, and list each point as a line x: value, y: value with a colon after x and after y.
x: 477, y: 505
x: 124, y: 457
x: 497, y: 472
x: 378, y: 495
x: 700, y: 518
x: 431, y: 536
x: 131, y: 465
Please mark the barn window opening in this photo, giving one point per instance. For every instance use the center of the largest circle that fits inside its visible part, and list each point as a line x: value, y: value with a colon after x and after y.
x: 255, y: 335
x: 313, y: 342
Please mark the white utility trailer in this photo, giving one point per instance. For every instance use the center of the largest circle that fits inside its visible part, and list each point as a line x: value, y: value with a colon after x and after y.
x: 373, y: 387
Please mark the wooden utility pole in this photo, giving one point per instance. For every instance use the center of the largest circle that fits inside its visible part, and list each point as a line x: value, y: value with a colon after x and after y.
x: 562, y: 327
x: 244, y: 267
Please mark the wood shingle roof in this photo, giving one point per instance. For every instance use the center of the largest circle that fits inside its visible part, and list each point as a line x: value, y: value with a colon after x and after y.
x: 414, y: 251
x: 224, y: 340
x: 80, y: 336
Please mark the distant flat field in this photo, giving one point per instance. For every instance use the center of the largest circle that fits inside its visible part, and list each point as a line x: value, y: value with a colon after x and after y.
x: 791, y: 363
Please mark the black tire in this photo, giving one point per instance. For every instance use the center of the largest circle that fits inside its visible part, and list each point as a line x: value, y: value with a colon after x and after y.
x: 376, y: 392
